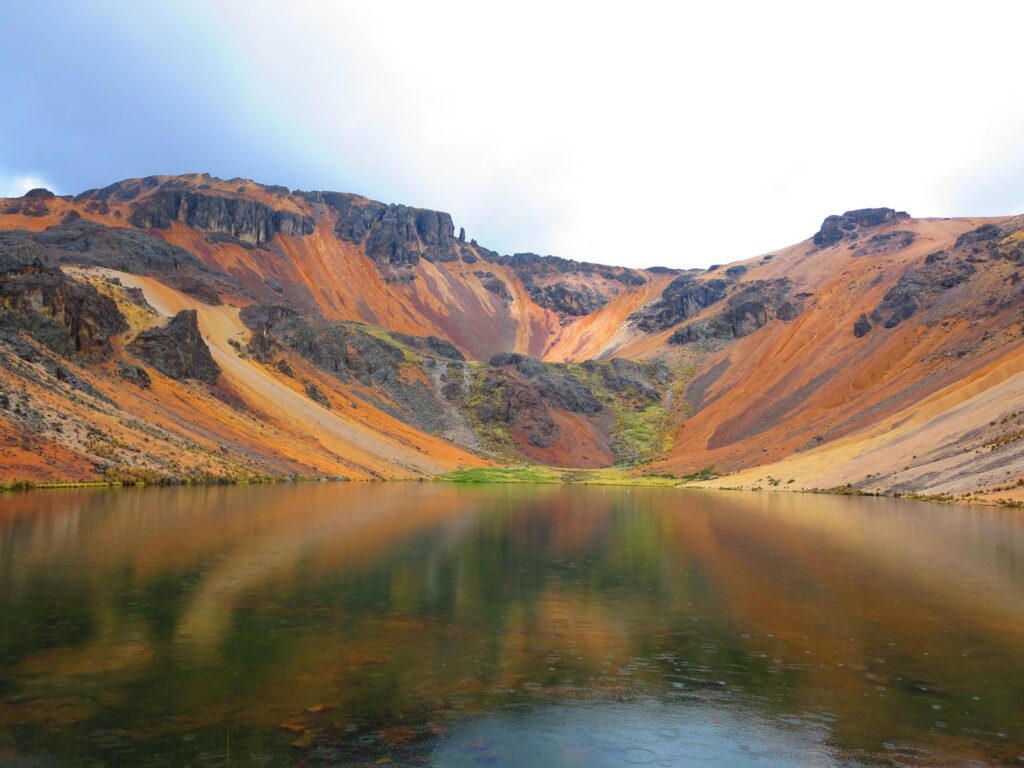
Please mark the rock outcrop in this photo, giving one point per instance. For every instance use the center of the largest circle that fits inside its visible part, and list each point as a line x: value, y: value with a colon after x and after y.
x: 495, y: 285
x: 250, y: 221
x: 564, y: 285
x: 683, y: 298
x: 80, y: 242
x: 940, y: 272
x: 391, y: 234
x: 32, y: 203
x: 177, y: 349
x: 351, y: 354
x: 65, y: 315
x: 861, y: 326
x: 747, y: 310
x: 850, y: 224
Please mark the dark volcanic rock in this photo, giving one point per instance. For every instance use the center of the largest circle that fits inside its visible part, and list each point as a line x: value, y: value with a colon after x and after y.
x: 567, y: 299
x: 747, y: 310
x: 350, y: 353
x: 177, y: 349
x: 861, y: 326
x: 86, y: 243
x: 248, y: 220
x: 32, y: 203
x: 630, y: 377
x: 980, y: 235
x: 430, y: 345
x: 313, y: 393
x: 938, y: 273
x: 63, y: 314
x: 849, y: 224
x: 134, y: 374
x: 549, y: 281
x: 553, y: 382
x: 495, y: 285
x: 684, y: 297
x: 886, y: 242
x: 392, y: 234
x: 737, y: 271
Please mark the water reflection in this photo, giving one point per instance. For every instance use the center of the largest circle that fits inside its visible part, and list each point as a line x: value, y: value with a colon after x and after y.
x: 415, y: 622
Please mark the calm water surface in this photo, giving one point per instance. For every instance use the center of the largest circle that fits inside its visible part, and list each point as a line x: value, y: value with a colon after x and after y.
x: 432, y: 624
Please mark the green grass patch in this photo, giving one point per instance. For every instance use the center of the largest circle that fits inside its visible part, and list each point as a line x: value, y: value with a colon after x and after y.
x: 540, y: 475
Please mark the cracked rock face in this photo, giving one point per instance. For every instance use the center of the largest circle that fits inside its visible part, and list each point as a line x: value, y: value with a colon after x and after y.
x: 393, y: 234
x: 683, y: 298
x: 748, y: 309
x: 177, y: 349
x: 249, y: 221
x: 65, y: 315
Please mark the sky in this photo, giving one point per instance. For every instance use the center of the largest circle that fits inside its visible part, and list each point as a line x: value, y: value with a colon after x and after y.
x: 677, y: 134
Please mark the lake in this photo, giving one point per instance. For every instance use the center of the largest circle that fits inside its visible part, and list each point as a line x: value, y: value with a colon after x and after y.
x: 444, y: 625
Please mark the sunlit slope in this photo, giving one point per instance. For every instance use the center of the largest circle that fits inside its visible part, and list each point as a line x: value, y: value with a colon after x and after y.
x: 791, y: 389
x: 364, y: 339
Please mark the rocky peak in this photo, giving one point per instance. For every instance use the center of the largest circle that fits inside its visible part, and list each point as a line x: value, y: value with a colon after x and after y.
x: 177, y: 349
x: 849, y: 224
x: 392, y: 234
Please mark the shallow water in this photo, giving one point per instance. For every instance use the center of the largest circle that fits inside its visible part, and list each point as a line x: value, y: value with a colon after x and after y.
x: 442, y: 625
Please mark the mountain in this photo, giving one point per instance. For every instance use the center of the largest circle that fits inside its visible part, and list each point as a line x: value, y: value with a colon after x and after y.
x: 176, y: 328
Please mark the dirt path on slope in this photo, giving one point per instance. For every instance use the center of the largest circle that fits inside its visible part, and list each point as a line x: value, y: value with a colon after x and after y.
x: 221, y: 324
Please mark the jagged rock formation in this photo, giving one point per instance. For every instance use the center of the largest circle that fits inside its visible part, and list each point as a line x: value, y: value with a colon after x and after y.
x: 495, y: 285
x: 683, y: 298
x: 392, y: 234
x: 850, y: 224
x: 751, y: 307
x: 547, y: 280
x: 247, y: 220
x: 68, y: 317
x: 177, y: 349
x: 350, y: 353
x: 940, y: 272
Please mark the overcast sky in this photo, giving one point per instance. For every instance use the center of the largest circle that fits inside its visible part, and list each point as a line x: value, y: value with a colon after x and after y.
x: 633, y: 133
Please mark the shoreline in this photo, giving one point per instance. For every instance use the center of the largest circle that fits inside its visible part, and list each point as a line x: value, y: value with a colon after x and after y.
x: 517, y: 475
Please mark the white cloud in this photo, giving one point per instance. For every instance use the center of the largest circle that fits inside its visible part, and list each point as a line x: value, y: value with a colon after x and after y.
x: 16, y: 185
x: 675, y: 133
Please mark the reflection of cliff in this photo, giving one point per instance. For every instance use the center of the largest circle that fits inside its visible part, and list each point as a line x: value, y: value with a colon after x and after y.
x: 391, y: 598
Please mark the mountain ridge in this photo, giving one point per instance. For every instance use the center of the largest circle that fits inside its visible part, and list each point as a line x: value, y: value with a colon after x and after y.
x: 764, y: 360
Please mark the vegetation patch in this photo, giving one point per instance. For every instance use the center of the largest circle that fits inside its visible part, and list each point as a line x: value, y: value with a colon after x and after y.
x: 541, y: 475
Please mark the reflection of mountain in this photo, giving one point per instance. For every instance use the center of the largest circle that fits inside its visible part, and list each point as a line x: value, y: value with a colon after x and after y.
x: 408, y: 603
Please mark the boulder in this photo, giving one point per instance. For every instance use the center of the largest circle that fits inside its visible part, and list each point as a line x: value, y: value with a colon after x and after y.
x: 177, y: 349
x: 861, y: 326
